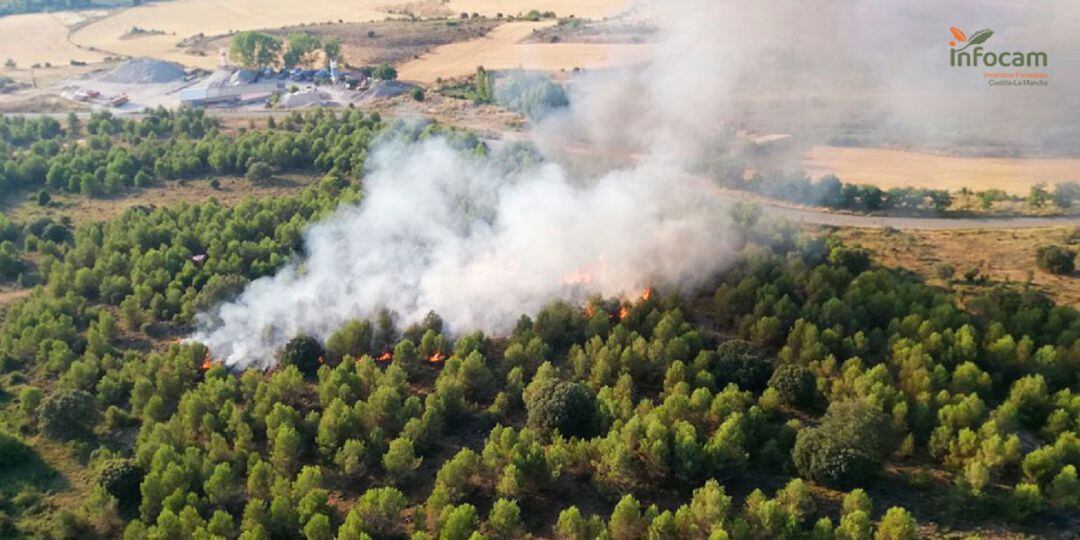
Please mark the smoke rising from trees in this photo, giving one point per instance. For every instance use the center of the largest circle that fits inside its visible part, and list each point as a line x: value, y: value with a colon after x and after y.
x: 458, y: 234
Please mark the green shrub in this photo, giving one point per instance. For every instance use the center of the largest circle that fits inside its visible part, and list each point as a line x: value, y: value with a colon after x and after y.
x: 303, y: 352
x: 561, y: 406
x: 795, y: 384
x: 121, y: 478
x: 1055, y: 259
x: 67, y: 414
x: 739, y: 362
x: 12, y: 451
x: 847, y: 448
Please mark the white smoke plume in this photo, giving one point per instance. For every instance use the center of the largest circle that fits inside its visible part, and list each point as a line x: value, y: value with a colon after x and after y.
x: 439, y: 230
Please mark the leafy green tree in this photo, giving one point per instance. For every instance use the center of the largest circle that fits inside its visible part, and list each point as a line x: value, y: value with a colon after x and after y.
x: 304, y: 352
x: 254, y: 49
x: 897, y: 525
x: 795, y: 385
x: 67, y: 414
x: 1026, y: 502
x: 561, y: 406
x: 301, y: 46
x: 259, y: 172
x: 848, y: 447
x: 380, y: 509
x: 738, y: 361
x: 504, y: 520
x: 121, y: 478
x: 460, y: 523
x: 384, y: 72
x: 400, y: 460
x: 1064, y: 490
x: 319, y: 528
x: 287, y: 447
x: 627, y: 522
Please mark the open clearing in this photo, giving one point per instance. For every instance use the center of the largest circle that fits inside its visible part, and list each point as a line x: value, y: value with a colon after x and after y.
x: 502, y: 49
x: 184, y: 18
x: 83, y: 209
x: 378, y: 42
x: 900, y: 168
x: 591, y: 9
x: 999, y: 255
x: 170, y: 22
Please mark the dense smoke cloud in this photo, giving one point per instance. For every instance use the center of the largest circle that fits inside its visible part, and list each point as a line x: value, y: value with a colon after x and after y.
x: 441, y: 231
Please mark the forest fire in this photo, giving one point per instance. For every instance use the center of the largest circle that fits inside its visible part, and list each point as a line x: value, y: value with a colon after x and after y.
x: 646, y: 293
x: 208, y: 361
x: 385, y: 357
x: 577, y: 277
x: 624, y: 312
x: 437, y: 357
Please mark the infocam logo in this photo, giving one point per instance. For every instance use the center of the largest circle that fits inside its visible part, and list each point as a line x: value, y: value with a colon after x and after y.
x: 968, y: 52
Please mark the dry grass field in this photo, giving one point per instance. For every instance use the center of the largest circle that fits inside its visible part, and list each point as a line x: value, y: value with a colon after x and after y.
x: 899, y: 168
x: 589, y: 9
x: 999, y: 255
x: 502, y: 49
x: 170, y: 22
x: 184, y: 18
x: 393, y: 41
x: 81, y: 209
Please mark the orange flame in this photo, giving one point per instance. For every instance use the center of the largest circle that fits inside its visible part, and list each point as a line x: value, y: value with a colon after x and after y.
x: 437, y: 357
x: 208, y: 361
x: 385, y: 357
x: 577, y: 277
x: 646, y: 293
x: 624, y: 312
x: 590, y: 311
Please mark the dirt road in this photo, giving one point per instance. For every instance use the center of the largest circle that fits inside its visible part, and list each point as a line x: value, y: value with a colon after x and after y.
x: 818, y: 216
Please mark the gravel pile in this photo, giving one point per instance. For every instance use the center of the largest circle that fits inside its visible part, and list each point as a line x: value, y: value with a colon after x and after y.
x: 144, y: 71
x: 385, y: 89
x: 303, y: 99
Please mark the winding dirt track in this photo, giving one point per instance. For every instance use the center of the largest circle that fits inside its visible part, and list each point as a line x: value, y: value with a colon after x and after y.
x: 817, y: 216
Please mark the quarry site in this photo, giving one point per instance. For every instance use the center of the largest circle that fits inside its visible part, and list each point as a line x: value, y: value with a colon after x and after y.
x: 567, y: 269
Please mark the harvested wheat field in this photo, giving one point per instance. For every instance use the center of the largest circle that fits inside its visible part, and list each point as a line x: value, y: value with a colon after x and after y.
x: 185, y: 18
x: 168, y: 23
x: 590, y: 9
x: 502, y: 49
x: 38, y: 38
x: 900, y: 168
